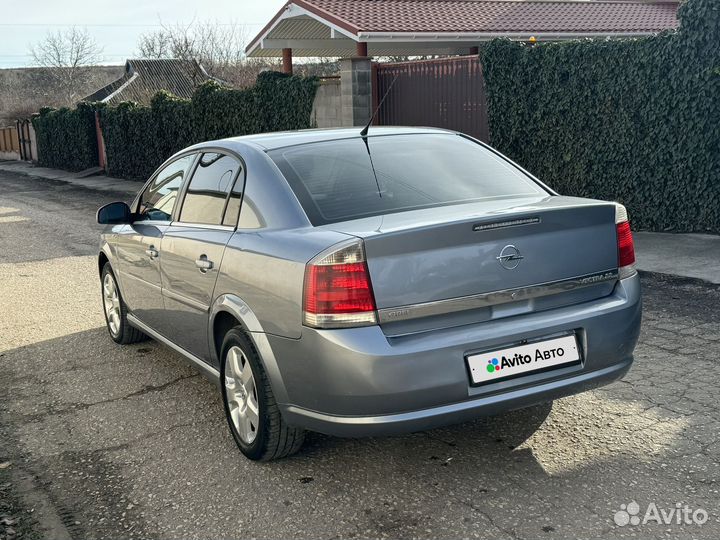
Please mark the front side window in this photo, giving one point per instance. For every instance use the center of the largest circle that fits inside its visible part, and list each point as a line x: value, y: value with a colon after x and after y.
x: 354, y: 178
x: 208, y: 191
x: 158, y: 200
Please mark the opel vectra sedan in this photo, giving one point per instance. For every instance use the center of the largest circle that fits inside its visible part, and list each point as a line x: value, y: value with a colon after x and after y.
x: 368, y: 285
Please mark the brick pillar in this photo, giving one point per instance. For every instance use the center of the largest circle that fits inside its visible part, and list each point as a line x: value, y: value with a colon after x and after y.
x: 355, y: 91
x: 287, y: 61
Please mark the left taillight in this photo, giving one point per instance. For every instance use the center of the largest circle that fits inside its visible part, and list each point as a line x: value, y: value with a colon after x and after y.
x: 337, y: 292
x: 625, y: 244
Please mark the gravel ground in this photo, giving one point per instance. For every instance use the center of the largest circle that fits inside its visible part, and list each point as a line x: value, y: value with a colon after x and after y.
x: 102, y: 441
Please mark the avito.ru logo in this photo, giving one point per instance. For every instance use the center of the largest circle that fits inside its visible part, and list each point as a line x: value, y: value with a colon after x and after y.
x: 629, y: 514
x: 518, y: 360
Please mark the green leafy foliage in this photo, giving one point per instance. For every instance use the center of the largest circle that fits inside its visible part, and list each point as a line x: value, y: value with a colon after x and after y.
x: 637, y: 121
x: 66, y: 138
x: 139, y: 138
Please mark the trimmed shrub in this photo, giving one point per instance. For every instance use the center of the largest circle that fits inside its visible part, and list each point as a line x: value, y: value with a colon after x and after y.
x: 139, y: 138
x: 637, y: 121
x: 66, y: 138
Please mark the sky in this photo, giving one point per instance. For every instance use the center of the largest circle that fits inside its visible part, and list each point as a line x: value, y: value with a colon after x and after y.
x: 116, y: 25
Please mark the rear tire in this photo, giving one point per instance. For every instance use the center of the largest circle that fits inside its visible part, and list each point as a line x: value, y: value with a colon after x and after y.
x: 250, y: 407
x: 115, y: 310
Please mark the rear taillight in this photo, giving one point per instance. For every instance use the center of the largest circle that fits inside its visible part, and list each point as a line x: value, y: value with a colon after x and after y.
x: 625, y: 245
x: 337, y: 291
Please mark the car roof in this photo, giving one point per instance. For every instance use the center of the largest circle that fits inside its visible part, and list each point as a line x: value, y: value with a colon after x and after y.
x: 280, y: 139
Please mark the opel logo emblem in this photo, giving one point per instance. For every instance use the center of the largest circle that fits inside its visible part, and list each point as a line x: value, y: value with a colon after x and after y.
x: 510, y: 257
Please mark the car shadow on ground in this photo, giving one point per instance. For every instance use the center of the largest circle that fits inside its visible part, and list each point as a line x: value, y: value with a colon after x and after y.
x: 501, y: 434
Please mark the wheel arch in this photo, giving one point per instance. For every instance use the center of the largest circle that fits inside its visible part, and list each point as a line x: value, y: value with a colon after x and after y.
x: 106, y: 256
x: 103, y: 259
x: 230, y: 310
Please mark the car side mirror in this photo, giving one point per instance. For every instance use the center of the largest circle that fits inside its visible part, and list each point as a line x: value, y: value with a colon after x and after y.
x: 115, y: 213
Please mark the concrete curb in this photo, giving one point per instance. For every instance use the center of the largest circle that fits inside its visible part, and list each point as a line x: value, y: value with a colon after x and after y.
x: 96, y: 182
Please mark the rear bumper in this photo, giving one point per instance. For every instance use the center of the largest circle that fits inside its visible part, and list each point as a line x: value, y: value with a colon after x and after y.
x: 356, y: 382
x: 394, y: 424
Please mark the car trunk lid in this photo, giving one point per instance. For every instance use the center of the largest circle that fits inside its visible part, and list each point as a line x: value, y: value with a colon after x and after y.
x: 453, y: 265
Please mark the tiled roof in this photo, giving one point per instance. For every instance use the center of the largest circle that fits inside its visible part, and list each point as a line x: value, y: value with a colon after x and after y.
x: 494, y: 16
x: 144, y: 78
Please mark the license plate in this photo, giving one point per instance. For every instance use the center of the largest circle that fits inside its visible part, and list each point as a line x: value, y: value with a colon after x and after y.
x: 520, y: 360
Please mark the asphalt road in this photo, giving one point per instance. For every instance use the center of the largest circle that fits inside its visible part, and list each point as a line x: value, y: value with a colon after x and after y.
x: 103, y: 441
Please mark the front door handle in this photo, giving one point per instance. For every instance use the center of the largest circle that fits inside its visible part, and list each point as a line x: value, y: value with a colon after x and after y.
x: 151, y: 252
x: 203, y: 263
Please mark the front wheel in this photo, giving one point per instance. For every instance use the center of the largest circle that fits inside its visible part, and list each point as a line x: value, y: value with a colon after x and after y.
x: 116, y: 312
x: 252, y: 413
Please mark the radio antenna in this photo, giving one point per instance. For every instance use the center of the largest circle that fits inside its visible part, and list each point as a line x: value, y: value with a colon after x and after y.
x: 364, y: 131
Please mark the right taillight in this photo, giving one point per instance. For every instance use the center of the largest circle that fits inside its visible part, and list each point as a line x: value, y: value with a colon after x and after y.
x: 337, y: 292
x: 625, y: 245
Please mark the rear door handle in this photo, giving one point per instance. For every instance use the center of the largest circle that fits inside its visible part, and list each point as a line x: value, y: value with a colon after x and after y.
x: 151, y: 252
x: 203, y: 263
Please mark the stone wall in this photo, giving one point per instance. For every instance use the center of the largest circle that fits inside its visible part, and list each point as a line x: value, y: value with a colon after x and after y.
x: 327, y: 107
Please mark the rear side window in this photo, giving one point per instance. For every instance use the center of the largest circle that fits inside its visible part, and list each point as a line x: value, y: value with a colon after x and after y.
x: 232, y: 210
x: 208, y: 191
x: 347, y: 179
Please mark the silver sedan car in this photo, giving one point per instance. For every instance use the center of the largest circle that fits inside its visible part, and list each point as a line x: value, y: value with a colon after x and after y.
x: 368, y: 284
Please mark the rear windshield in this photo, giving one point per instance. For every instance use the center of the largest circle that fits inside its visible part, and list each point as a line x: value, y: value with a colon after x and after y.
x: 347, y: 179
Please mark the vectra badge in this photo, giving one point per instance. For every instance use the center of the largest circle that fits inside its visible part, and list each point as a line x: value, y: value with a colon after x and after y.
x: 510, y: 257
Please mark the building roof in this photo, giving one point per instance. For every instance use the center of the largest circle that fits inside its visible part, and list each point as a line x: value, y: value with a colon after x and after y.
x: 144, y: 78
x: 390, y: 27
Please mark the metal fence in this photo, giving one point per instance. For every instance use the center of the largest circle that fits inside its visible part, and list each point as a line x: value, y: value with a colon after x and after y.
x: 28, y: 143
x: 447, y: 93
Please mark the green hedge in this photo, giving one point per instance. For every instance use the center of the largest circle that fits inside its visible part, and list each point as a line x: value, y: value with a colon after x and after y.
x: 636, y: 121
x: 139, y: 138
x: 66, y: 138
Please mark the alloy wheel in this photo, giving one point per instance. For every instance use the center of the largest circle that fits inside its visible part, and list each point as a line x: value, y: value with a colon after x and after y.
x: 241, y: 394
x: 111, y: 302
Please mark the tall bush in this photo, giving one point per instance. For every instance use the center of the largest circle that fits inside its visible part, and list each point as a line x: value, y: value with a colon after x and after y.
x: 636, y: 121
x: 139, y: 138
x: 66, y: 138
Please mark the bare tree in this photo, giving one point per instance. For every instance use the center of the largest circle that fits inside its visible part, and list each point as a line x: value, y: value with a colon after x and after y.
x: 219, y: 47
x: 68, y: 56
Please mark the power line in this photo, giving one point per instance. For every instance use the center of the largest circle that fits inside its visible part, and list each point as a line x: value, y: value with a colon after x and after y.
x: 30, y: 55
x: 108, y: 25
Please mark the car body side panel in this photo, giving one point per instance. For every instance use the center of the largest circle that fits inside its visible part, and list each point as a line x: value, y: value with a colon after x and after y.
x: 137, y: 272
x: 188, y: 291
x: 266, y: 270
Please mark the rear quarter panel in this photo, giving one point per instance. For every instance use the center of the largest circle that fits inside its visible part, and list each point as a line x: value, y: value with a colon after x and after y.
x: 266, y: 269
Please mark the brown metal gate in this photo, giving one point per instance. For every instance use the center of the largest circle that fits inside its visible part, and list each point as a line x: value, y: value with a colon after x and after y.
x: 447, y: 93
x: 26, y: 137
